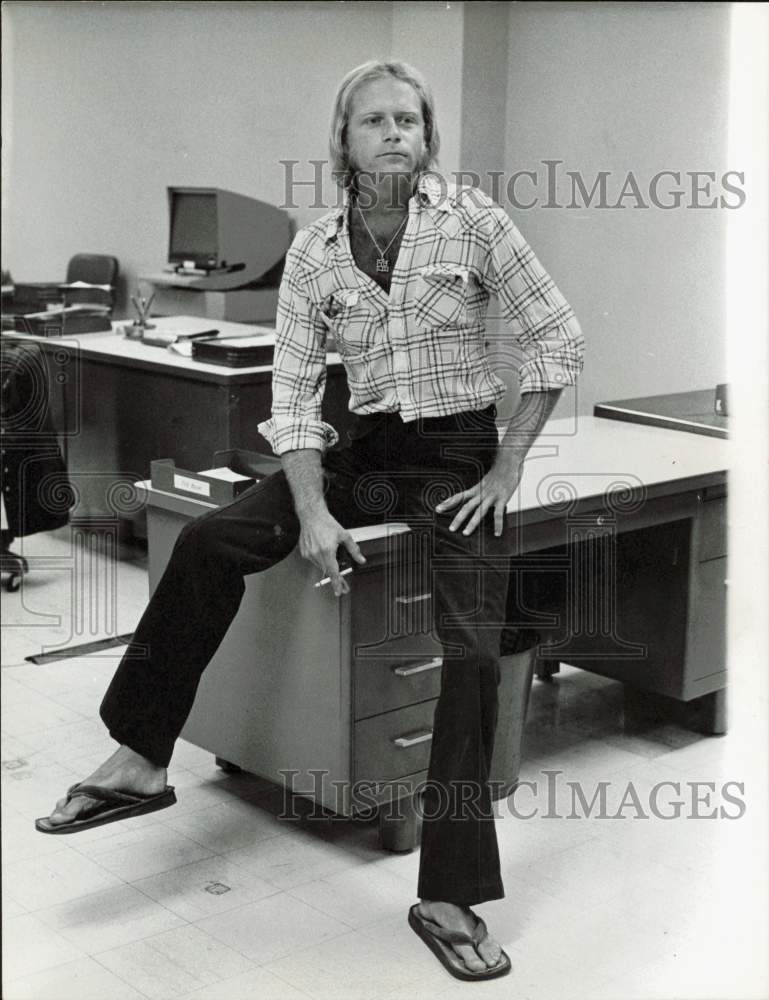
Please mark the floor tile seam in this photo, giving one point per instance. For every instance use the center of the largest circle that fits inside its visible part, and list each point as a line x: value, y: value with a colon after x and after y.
x: 56, y: 698
x: 48, y: 729
x: 347, y: 932
x: 124, y: 881
x: 216, y: 855
x: 36, y: 857
x: 192, y: 813
x: 35, y: 756
x: 318, y: 909
x: 297, y: 885
x: 7, y: 984
x: 272, y: 972
x: 33, y: 668
x: 122, y: 979
x: 175, y: 924
x: 303, y: 836
x: 224, y: 909
x: 74, y: 899
x: 225, y: 855
x: 414, y: 984
x: 78, y: 899
x: 278, y: 958
x: 148, y: 940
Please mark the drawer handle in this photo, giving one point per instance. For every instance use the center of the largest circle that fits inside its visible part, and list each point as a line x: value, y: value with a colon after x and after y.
x: 412, y: 739
x: 417, y: 668
x: 412, y: 599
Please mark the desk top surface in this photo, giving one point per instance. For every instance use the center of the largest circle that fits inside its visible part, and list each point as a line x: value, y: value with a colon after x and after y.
x: 119, y: 349
x: 586, y: 458
x: 684, y: 411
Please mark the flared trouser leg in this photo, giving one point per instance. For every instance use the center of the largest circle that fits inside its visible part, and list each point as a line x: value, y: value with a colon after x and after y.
x: 459, y: 859
x: 151, y: 694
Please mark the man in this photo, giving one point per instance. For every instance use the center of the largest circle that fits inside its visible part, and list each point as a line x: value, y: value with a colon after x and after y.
x: 401, y: 274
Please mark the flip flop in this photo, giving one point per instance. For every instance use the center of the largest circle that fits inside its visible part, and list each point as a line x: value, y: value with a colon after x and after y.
x: 439, y: 940
x: 110, y: 807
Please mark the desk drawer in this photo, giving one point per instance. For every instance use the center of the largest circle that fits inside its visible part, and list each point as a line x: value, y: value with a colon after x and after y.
x: 389, y: 605
x: 378, y: 757
x: 711, y: 529
x: 410, y: 671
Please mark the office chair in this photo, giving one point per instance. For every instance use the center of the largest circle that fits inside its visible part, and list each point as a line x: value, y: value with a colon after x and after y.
x: 95, y: 269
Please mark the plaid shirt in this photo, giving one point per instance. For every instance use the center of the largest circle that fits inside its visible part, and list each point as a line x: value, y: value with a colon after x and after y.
x: 421, y: 349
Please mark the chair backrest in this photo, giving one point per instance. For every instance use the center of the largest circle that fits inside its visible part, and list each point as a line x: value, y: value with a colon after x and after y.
x: 96, y: 269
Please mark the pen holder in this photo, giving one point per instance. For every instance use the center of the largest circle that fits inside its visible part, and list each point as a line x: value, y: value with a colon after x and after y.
x: 142, y: 306
x: 135, y: 331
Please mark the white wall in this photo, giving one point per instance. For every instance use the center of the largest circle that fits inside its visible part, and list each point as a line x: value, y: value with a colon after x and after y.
x: 623, y: 87
x: 112, y: 103
x: 429, y: 36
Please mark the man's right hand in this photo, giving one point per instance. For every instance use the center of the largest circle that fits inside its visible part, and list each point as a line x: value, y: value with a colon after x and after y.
x: 320, y: 538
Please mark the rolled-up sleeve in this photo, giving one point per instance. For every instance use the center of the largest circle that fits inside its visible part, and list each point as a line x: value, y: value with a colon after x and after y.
x: 544, y: 325
x: 299, y: 371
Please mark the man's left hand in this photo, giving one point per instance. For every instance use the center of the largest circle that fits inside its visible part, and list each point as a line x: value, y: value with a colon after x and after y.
x: 494, y: 490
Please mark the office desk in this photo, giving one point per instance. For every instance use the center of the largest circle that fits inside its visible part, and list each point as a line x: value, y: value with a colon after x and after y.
x: 118, y: 404
x: 680, y: 411
x: 626, y: 521
x: 631, y: 580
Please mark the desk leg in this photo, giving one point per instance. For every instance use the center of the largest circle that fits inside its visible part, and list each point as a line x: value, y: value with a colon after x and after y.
x: 545, y: 669
x: 227, y: 766
x: 709, y: 713
x: 706, y: 714
x: 399, y: 824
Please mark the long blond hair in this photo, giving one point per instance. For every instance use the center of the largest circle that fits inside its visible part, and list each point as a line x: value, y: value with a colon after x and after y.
x: 374, y: 70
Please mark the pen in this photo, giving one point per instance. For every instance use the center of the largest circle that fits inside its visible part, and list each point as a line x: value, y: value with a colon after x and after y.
x: 327, y: 579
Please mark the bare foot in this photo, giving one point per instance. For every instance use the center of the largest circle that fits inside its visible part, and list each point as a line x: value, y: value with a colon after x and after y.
x: 124, y: 771
x: 458, y: 918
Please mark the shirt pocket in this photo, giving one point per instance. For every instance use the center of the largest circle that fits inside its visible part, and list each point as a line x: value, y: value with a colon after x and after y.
x: 343, y: 312
x: 441, y: 295
x: 350, y: 319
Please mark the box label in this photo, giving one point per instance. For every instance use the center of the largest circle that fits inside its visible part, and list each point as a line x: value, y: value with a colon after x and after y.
x: 192, y: 485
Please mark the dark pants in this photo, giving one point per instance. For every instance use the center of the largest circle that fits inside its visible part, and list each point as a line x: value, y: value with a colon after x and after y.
x: 390, y: 471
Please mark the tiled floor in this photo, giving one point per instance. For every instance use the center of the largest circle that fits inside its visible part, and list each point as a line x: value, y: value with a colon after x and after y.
x: 218, y: 899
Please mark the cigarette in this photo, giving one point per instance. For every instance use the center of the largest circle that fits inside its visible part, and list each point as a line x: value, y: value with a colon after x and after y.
x: 327, y: 579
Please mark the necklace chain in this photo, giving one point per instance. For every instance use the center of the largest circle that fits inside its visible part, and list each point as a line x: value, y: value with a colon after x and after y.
x: 382, y: 264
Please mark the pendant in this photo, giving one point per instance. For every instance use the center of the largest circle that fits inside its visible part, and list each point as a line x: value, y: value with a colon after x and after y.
x: 382, y: 264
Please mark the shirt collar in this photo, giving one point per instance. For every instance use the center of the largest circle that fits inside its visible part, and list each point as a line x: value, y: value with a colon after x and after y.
x: 432, y: 192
